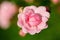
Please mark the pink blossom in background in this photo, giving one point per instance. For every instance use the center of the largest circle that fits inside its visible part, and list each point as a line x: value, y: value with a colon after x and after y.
x: 8, y: 10
x: 55, y: 1
x: 32, y: 20
x: 0, y: 12
x: 29, y: 1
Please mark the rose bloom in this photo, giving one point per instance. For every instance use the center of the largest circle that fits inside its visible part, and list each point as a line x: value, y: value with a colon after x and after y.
x: 7, y: 11
x: 32, y: 20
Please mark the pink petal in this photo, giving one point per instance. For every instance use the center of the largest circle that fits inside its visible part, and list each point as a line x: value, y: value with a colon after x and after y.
x: 38, y: 30
x: 23, y: 19
x: 29, y: 7
x: 44, y: 19
x: 42, y: 26
x: 40, y: 9
x: 24, y: 30
x: 20, y: 22
x: 32, y: 30
x: 45, y: 14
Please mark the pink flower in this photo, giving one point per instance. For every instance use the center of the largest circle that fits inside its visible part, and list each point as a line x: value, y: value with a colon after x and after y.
x: 32, y: 20
x: 7, y: 11
x: 29, y: 1
x: 55, y: 1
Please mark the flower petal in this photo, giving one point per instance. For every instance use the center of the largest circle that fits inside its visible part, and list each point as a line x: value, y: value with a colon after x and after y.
x: 45, y: 14
x: 42, y: 26
x: 20, y: 21
x: 32, y: 30
x: 44, y: 19
x: 40, y: 9
x: 24, y: 30
x: 28, y: 8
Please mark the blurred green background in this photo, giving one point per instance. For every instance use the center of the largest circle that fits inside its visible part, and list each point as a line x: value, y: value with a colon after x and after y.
x: 51, y: 33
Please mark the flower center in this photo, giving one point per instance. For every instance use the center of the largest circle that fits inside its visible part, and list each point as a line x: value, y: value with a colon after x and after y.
x: 35, y: 19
